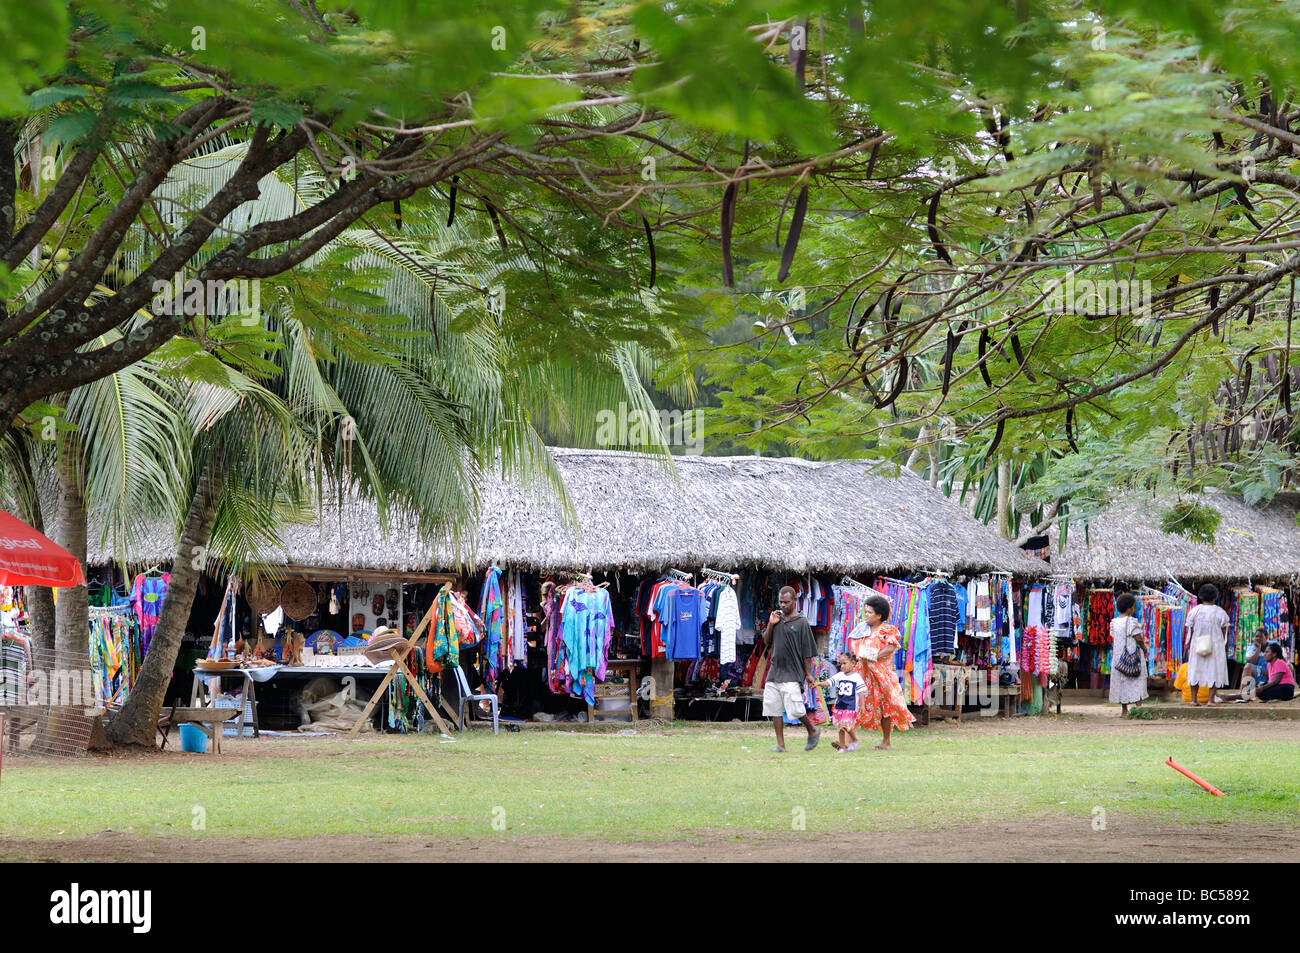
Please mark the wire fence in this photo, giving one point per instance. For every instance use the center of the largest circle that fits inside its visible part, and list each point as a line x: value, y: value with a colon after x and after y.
x: 48, y: 702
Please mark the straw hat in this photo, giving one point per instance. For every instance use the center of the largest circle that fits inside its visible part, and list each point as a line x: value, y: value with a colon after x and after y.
x: 382, y: 641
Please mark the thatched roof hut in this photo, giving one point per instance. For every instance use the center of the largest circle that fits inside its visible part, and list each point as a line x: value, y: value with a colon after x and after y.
x: 1126, y: 542
x: 635, y: 513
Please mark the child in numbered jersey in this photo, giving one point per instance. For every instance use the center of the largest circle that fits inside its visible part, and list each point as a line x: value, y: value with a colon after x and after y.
x: 846, y: 687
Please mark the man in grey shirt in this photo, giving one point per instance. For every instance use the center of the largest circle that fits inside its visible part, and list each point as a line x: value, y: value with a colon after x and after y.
x: 790, y: 638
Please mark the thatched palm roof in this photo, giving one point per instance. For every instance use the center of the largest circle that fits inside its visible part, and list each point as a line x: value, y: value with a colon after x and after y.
x: 1126, y: 543
x: 725, y: 512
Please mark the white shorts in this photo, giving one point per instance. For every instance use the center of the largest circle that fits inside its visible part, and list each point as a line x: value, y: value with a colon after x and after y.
x: 783, y: 698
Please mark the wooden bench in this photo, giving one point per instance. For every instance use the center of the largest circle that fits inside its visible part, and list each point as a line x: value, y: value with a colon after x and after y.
x: 208, y: 720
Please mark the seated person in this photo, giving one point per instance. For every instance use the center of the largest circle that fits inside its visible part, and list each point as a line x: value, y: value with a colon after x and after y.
x: 1254, y: 661
x: 1281, y: 677
x: 1180, y: 683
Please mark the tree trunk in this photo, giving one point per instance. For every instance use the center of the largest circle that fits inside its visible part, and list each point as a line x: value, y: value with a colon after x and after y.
x: 1004, y: 497
x: 72, y: 611
x: 40, y: 599
x: 919, y: 448
x: 137, y: 722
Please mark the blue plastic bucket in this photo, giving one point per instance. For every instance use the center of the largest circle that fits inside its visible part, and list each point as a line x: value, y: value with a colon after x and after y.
x: 193, y: 739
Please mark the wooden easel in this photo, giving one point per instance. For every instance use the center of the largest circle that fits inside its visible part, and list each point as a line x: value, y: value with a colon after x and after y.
x: 399, y: 654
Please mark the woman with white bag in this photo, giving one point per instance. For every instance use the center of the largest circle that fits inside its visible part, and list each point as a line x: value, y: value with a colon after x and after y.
x: 1206, y: 644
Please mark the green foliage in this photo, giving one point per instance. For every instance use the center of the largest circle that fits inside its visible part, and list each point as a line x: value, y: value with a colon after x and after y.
x: 33, y: 34
x: 1197, y: 521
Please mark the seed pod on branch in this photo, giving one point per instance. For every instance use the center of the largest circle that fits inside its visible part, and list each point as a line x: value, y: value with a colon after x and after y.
x: 1020, y: 359
x: 931, y: 223
x: 862, y: 321
x: 496, y: 225
x: 728, y: 220
x: 983, y: 348
x: 451, y: 205
x: 949, y: 352
x: 792, y: 239
x: 650, y: 243
x: 997, y: 439
x: 899, y: 382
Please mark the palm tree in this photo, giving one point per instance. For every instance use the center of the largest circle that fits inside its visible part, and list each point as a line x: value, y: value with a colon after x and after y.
x: 387, y: 374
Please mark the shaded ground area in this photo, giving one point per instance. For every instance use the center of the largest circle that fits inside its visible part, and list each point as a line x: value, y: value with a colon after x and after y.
x: 1123, y: 839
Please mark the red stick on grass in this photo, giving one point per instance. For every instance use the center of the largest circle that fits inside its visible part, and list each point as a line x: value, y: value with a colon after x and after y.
x: 1181, y: 770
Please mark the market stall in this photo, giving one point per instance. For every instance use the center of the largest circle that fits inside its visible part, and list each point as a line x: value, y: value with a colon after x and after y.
x: 1253, y: 558
x: 643, y: 536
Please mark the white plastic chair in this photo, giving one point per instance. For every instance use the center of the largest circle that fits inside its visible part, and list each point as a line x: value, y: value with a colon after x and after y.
x: 466, y: 697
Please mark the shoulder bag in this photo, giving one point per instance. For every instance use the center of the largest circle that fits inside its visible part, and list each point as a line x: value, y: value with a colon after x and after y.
x: 1130, y: 663
x: 1203, y: 644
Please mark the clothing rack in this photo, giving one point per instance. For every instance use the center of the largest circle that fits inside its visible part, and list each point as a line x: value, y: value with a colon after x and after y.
x: 902, y: 582
x: 107, y: 610
x: 727, y: 578
x: 679, y: 575
x: 852, y: 583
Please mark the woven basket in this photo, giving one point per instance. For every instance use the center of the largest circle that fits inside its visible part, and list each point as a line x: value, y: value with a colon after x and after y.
x: 298, y: 599
x: 262, y: 596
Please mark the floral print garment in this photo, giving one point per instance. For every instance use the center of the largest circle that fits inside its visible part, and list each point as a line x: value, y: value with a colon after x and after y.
x: 884, y: 696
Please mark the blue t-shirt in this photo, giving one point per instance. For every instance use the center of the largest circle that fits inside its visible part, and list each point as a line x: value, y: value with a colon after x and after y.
x: 683, y: 616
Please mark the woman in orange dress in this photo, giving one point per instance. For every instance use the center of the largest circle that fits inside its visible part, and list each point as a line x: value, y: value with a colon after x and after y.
x: 883, y: 705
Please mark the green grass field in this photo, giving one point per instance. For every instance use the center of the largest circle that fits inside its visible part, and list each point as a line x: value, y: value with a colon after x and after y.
x: 662, y: 783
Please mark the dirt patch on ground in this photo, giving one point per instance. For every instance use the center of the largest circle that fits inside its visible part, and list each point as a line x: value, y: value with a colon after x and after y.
x: 1039, y: 840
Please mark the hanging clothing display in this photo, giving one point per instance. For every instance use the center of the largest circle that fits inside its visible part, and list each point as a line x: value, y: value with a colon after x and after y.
x: 673, y: 616
x: 746, y: 595
x: 909, y: 614
x: 1063, y: 611
x: 147, y: 595
x: 1010, y: 632
x: 492, y: 610
x: 981, y: 608
x: 1101, y: 609
x: 1275, y: 617
x: 1034, y: 619
x: 846, y: 612
x: 1244, y: 615
x: 1176, y: 595
x: 943, y: 615
x: 721, y: 621
x: 406, y: 712
x: 15, y: 661
x: 586, y: 626
x: 1036, y: 654
x: 453, y: 623
x: 117, y: 649
x: 516, y: 628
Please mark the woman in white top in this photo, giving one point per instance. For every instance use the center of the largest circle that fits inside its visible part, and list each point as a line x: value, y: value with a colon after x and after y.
x: 1126, y: 636
x: 1206, y: 622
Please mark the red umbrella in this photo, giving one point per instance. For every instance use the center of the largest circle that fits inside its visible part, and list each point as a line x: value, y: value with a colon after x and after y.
x: 29, y: 559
